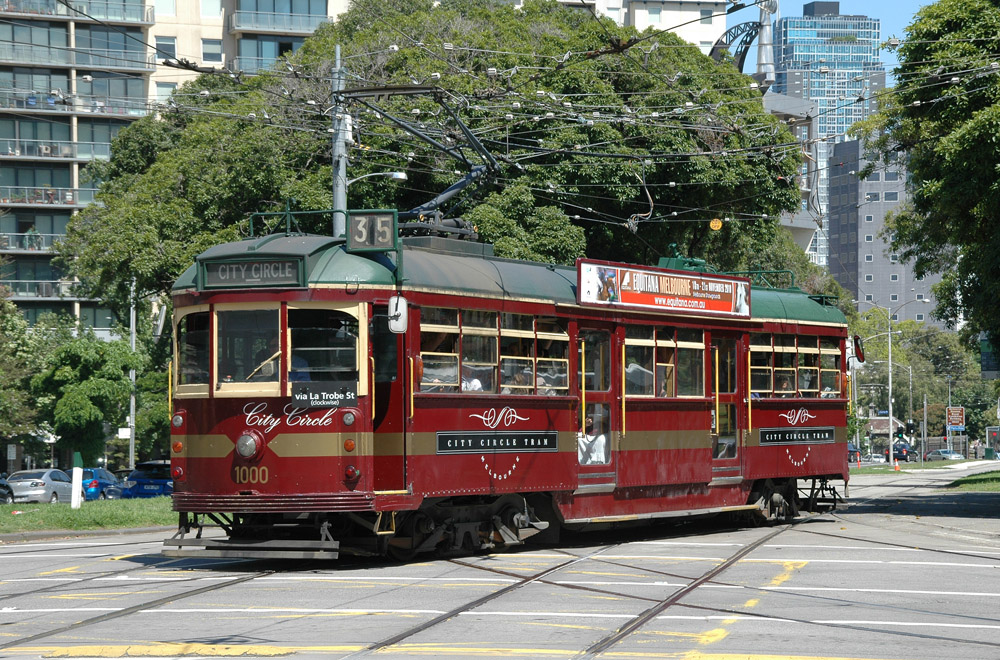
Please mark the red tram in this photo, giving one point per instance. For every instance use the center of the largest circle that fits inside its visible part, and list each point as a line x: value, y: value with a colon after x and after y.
x: 333, y: 400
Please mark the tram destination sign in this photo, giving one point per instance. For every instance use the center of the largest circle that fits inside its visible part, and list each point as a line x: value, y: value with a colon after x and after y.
x: 642, y: 287
x: 324, y: 394
x: 255, y: 273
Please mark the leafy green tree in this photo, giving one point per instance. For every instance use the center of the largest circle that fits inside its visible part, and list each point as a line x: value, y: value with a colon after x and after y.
x: 83, y: 384
x: 607, y: 143
x: 17, y: 411
x: 942, y: 119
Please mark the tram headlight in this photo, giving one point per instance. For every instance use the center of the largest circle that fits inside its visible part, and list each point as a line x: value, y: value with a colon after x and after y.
x: 248, y: 445
x: 348, y: 418
x: 177, y: 420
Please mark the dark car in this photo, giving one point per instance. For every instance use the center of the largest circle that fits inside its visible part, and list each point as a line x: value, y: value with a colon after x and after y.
x: 100, y: 484
x: 902, y: 453
x: 6, y: 492
x: 149, y: 479
x: 853, y: 455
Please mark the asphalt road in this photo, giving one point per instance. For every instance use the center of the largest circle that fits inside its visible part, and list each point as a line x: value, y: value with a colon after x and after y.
x: 907, y: 570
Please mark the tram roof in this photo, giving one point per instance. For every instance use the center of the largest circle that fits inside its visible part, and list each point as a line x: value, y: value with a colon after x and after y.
x: 451, y: 266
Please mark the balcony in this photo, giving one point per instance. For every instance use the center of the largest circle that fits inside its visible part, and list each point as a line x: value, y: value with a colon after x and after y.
x: 251, y: 64
x: 54, y: 149
x: 22, y: 290
x: 28, y: 242
x: 113, y: 12
x: 266, y: 22
x: 56, y: 102
x: 12, y: 53
x: 32, y: 196
x: 115, y: 59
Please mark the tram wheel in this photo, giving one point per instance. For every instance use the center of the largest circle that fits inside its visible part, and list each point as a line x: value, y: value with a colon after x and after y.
x: 415, y: 529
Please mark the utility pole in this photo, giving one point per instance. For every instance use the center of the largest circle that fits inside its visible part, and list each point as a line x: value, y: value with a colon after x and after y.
x: 131, y: 375
x: 339, y: 150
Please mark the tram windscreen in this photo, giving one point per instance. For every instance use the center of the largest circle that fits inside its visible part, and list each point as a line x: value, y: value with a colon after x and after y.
x: 248, y: 346
x: 192, y: 349
x: 324, y: 345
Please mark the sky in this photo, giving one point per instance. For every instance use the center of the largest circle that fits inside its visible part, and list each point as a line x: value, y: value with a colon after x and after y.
x: 895, y: 15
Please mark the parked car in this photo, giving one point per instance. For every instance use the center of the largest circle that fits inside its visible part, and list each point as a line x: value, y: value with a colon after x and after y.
x: 100, y: 484
x: 902, y: 453
x: 6, y: 492
x: 41, y: 486
x: 943, y: 455
x: 852, y: 453
x: 149, y: 479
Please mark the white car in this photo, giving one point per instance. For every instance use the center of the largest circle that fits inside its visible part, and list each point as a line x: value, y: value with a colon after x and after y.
x: 943, y: 455
x: 41, y: 486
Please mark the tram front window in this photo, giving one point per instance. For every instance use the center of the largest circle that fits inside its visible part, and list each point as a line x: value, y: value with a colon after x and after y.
x: 192, y: 349
x: 324, y: 345
x: 248, y: 346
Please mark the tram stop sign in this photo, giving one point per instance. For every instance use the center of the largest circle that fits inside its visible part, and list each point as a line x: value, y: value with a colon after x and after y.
x: 956, y: 418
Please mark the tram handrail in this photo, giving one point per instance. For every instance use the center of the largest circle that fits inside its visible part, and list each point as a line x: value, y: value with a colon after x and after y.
x: 623, y: 392
x: 371, y: 361
x: 583, y: 385
x: 411, y: 387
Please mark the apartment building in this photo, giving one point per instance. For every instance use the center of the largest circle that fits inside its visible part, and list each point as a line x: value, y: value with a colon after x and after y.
x: 73, y: 75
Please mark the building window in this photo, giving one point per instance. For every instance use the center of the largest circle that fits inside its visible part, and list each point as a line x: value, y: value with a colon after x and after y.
x: 894, y: 297
x: 211, y: 50
x: 164, y: 90
x: 166, y: 47
x: 869, y: 258
x: 615, y: 14
x: 892, y: 176
x: 869, y: 297
x: 706, y: 16
x: 892, y: 197
x: 920, y: 296
x: 653, y: 13
x: 165, y: 8
x: 893, y: 258
x: 869, y: 238
x: 895, y: 317
x: 211, y: 8
x: 869, y: 278
x: 894, y: 278
x: 920, y: 317
x: 869, y: 218
x: 874, y: 176
x: 871, y: 197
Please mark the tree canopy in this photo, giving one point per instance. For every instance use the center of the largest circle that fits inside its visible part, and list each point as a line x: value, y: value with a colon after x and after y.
x: 942, y: 120
x: 597, y: 141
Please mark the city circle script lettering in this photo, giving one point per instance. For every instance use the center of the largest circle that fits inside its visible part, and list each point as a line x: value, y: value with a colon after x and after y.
x: 256, y: 415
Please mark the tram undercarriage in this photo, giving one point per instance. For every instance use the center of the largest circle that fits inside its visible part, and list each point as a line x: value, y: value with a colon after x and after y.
x: 442, y: 527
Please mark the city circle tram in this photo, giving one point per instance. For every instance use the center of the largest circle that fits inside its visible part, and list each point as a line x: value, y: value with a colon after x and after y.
x: 425, y: 396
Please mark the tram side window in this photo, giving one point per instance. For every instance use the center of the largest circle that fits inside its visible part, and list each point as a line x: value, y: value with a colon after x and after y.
x: 595, y: 360
x: 639, y: 367
x: 690, y: 362
x: 479, y: 351
x: 248, y: 345
x: 808, y: 366
x: 552, y: 377
x: 439, y: 349
x: 517, y: 354
x: 829, y: 367
x: 784, y: 366
x: 324, y: 345
x: 192, y: 349
x: 761, y: 364
x: 666, y: 360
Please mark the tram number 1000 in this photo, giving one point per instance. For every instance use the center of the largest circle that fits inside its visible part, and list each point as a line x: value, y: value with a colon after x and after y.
x: 243, y: 474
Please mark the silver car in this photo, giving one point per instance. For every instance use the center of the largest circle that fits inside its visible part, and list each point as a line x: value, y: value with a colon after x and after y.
x: 41, y: 486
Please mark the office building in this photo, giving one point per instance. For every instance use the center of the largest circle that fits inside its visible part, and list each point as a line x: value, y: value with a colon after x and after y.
x: 71, y: 77
x: 861, y: 259
x: 832, y: 60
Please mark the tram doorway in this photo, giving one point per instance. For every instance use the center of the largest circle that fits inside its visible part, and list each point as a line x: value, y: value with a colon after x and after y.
x: 726, y: 368
x: 599, y: 431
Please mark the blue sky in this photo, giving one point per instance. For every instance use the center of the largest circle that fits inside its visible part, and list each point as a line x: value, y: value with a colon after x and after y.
x: 894, y: 14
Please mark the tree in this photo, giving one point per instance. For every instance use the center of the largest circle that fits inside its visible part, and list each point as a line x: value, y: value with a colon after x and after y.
x: 17, y: 411
x: 941, y: 120
x: 607, y: 143
x: 84, y: 383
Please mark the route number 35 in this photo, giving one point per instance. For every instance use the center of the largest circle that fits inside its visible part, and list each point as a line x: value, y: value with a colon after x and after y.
x: 371, y: 230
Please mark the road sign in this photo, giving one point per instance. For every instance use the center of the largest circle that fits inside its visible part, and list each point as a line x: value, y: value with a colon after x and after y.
x: 956, y: 418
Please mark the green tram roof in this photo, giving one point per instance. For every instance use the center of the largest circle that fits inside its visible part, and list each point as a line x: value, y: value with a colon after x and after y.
x: 451, y: 266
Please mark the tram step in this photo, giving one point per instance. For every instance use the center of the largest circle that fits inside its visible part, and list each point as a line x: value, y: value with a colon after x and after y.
x: 251, y: 548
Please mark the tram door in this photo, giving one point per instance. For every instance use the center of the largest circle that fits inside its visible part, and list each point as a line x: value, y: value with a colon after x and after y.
x: 388, y: 400
x: 599, y: 415
x: 726, y: 360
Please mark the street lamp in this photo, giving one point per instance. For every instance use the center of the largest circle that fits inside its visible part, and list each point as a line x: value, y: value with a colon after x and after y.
x: 888, y: 318
x: 397, y: 176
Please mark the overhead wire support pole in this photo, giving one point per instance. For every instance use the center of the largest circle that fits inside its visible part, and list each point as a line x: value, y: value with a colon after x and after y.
x: 339, y: 151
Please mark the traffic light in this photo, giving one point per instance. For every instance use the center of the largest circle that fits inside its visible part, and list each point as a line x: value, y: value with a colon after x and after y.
x: 899, y: 433
x: 911, y: 427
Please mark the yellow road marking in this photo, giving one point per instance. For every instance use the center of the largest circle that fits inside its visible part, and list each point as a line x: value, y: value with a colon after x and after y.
x: 90, y: 595
x: 451, y: 649
x: 68, y: 569
x: 790, y: 567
